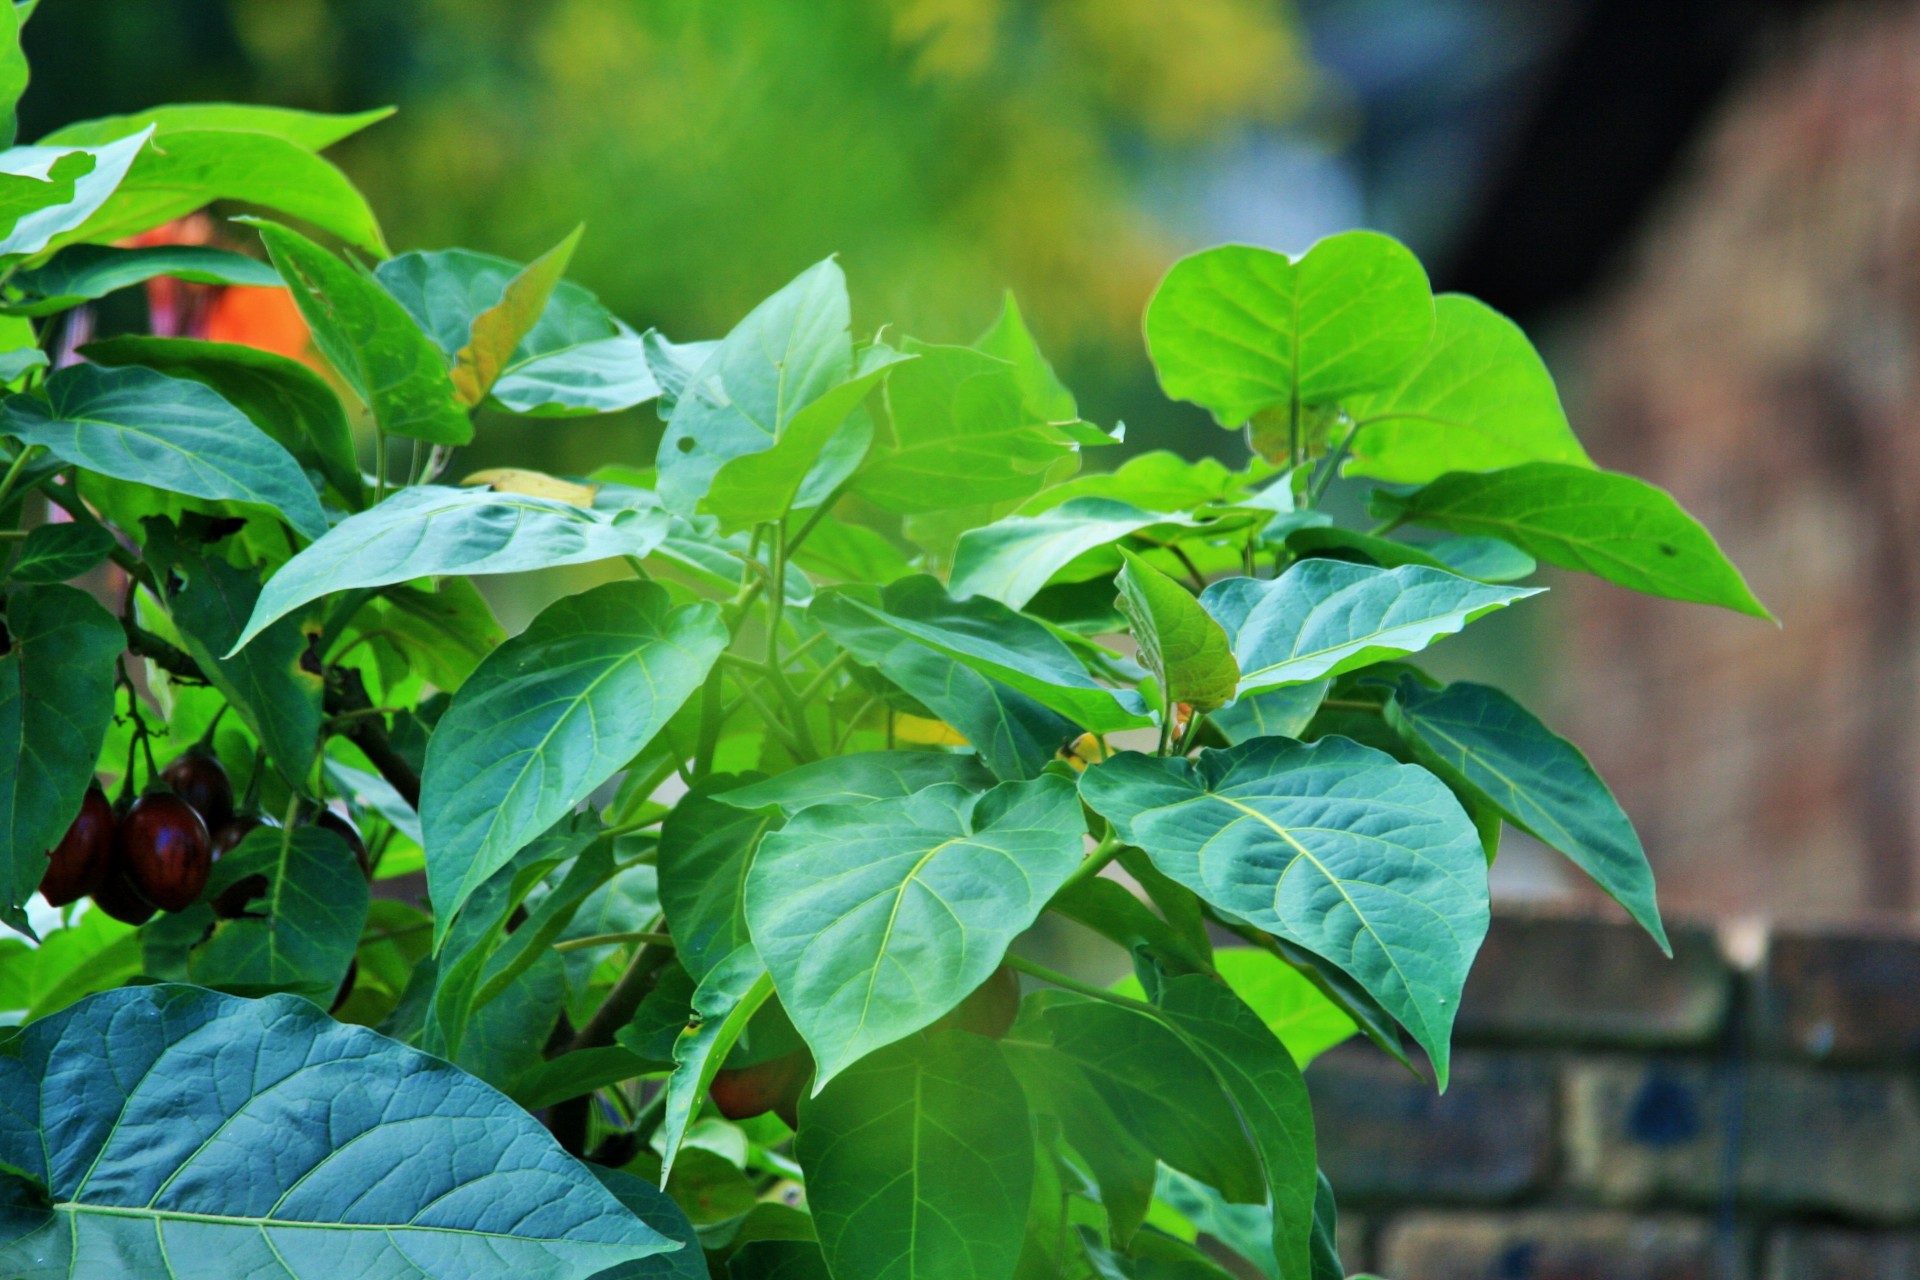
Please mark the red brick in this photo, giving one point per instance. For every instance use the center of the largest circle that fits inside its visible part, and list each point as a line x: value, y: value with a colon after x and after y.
x: 1546, y: 1245
x: 1843, y: 997
x: 1823, y: 1253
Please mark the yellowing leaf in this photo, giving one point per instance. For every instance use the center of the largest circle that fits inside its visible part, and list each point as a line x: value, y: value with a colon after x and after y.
x: 535, y: 484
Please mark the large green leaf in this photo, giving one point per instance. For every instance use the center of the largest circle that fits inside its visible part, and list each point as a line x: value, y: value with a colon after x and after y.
x: 1323, y: 617
x: 56, y: 701
x: 282, y: 397
x: 428, y: 530
x: 1481, y: 740
x: 1614, y: 526
x: 602, y: 376
x: 326, y: 1150
x: 61, y: 552
x: 189, y: 169
x: 1265, y: 1085
x: 1369, y: 863
x: 309, y: 130
x: 13, y: 71
x: 1011, y: 559
x: 919, y: 1162
x: 859, y: 778
x: 1281, y: 712
x: 1304, y: 1018
x: 301, y: 936
x: 875, y: 919
x: 372, y: 341
x: 82, y: 273
x: 1237, y: 330
x: 266, y: 683
x: 789, y: 352
x: 1015, y: 735
x: 136, y: 424
x: 549, y: 716
x: 993, y: 640
x: 706, y: 847
x: 1180, y: 643
x: 959, y: 432
x: 48, y: 191
x: 1479, y: 397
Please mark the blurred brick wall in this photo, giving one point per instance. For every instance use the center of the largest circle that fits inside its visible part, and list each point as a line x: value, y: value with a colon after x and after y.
x: 1614, y: 1115
x: 1760, y: 357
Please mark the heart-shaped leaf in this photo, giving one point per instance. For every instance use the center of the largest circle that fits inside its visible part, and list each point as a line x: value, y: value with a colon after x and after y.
x: 126, y: 1157
x: 301, y: 934
x: 1011, y: 559
x: 1369, y: 863
x: 706, y: 846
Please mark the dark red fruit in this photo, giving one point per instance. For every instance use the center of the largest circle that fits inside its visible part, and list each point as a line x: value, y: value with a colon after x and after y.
x: 346, y: 986
x: 227, y: 838
x: 774, y: 1085
x: 990, y: 1010
x: 79, y: 862
x: 116, y: 896
x: 346, y: 831
x: 199, y: 778
x: 165, y: 850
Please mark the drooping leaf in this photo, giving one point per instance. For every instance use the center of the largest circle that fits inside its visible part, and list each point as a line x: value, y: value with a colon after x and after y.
x: 371, y: 340
x: 991, y: 639
x: 919, y: 1162
x: 549, y: 716
x: 1369, y: 863
x: 1477, y: 398
x: 56, y: 701
x: 959, y: 432
x: 61, y: 552
x: 497, y: 332
x: 301, y: 936
x: 706, y: 846
x: 1265, y: 1085
x: 265, y: 683
x: 1480, y: 739
x: 82, y: 273
x: 429, y: 530
x: 876, y: 919
x: 1180, y: 643
x: 859, y: 778
x: 1323, y: 617
x: 1011, y: 559
x: 1613, y: 526
x: 282, y: 397
x: 139, y: 425
x: 386, y: 1162
x: 309, y: 130
x: 1237, y: 330
x: 1282, y: 712
x: 724, y: 1002
x: 48, y: 190
x: 790, y: 351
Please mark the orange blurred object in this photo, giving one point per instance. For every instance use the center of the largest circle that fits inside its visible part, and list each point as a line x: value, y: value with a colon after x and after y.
x: 258, y: 316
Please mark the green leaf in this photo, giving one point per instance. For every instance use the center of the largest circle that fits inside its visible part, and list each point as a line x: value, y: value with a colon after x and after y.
x: 1015, y: 735
x: 958, y: 432
x: 266, y: 683
x: 1488, y: 559
x: 1613, y: 526
x: 1011, y: 559
x: 429, y: 530
x: 135, y: 424
x: 1155, y: 481
x: 605, y: 375
x: 875, y: 919
x: 994, y: 641
x: 56, y: 701
x: 1041, y: 390
x: 302, y: 935
x: 81, y: 273
x: 285, y: 399
x: 384, y: 1162
x: 1325, y: 1241
x: 1271, y: 713
x: 1180, y: 643
x: 13, y: 72
x: 1237, y: 330
x: 50, y: 190
x: 60, y: 552
x: 371, y: 340
x: 724, y: 1002
x: 651, y: 1205
x: 190, y: 169
x: 94, y: 953
x: 1298, y: 1013
x: 706, y: 847
x: 1144, y: 1081
x: 1478, y: 398
x: 777, y: 1260
x: 15, y: 363
x: 859, y: 778
x: 790, y: 351
x: 837, y: 551
x: 1323, y: 617
x: 309, y: 130
x: 1481, y: 740
x: 548, y: 717
x: 919, y: 1163
x: 1334, y: 846
x: 1265, y: 1085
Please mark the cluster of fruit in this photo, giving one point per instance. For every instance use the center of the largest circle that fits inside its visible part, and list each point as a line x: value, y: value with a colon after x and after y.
x: 157, y: 852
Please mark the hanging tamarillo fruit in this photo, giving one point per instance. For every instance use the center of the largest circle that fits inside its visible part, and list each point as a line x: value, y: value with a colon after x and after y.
x: 164, y: 849
x: 201, y: 780
x: 77, y: 865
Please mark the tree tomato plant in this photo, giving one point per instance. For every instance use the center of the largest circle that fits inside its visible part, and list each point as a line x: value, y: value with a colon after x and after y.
x: 729, y: 859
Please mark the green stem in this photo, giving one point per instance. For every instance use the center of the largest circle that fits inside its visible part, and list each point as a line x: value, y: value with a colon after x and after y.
x: 614, y: 939
x: 379, y: 463
x: 827, y: 673
x: 1193, y: 570
x: 813, y: 521
x: 13, y: 472
x: 343, y: 613
x: 1065, y: 983
x: 712, y: 716
x: 1318, y: 487
x: 1094, y: 863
